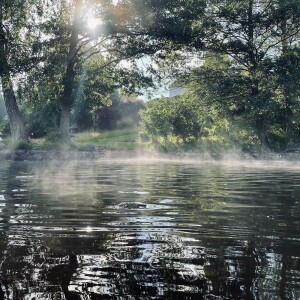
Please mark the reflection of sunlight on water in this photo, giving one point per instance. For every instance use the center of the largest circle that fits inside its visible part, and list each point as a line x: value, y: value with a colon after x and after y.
x: 165, y: 230
x: 136, y: 260
x: 135, y: 192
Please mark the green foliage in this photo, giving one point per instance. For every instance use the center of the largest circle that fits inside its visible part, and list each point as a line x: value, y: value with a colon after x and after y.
x: 20, y: 28
x: 192, y: 123
x: 43, y: 88
x: 260, y: 96
x: 246, y: 90
x: 169, y: 119
x: 94, y: 89
x: 255, y: 37
x: 96, y: 83
x: 42, y: 119
x: 54, y: 136
x: 53, y: 140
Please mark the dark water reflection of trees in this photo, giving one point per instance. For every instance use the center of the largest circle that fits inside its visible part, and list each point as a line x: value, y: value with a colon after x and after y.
x: 109, y: 230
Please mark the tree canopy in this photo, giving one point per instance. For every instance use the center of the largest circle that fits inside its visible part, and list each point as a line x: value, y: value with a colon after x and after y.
x: 57, y: 52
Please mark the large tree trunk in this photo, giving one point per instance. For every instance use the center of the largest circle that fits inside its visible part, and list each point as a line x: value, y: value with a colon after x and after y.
x: 68, y: 94
x: 67, y: 102
x: 16, y: 121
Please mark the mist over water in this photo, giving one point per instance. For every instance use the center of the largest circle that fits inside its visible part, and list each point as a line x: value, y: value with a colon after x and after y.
x: 150, y: 228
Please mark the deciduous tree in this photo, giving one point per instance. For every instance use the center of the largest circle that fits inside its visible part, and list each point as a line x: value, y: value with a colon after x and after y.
x: 20, y: 50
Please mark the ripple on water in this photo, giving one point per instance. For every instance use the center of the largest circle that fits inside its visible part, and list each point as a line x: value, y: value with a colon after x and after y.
x: 161, y: 231
x: 134, y: 192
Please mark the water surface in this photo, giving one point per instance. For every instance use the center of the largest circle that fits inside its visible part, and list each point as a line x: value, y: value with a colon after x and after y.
x: 141, y: 229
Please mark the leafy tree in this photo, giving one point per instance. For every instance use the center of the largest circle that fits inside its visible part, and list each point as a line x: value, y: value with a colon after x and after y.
x: 287, y: 64
x: 8, y: 26
x: 221, y: 84
x: 42, y: 90
x: 252, y: 34
x: 94, y: 89
x: 20, y: 50
x: 128, y: 29
x: 168, y: 118
x: 193, y: 119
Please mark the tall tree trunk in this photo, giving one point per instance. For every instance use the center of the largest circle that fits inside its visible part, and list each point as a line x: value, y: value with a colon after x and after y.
x: 16, y: 121
x: 68, y: 94
x: 67, y: 101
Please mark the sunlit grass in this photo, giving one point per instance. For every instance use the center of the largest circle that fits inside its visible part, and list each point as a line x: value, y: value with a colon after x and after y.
x: 115, y: 139
x: 127, y: 139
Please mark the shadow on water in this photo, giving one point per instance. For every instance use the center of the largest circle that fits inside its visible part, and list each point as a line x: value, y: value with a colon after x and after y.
x: 156, y: 230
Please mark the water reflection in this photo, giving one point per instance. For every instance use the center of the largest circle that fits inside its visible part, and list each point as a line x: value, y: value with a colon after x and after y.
x: 137, y: 230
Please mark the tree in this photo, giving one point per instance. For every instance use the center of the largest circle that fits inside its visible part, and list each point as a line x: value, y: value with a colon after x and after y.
x: 287, y: 64
x: 94, y: 89
x: 126, y: 31
x: 250, y: 33
x: 287, y: 68
x: 70, y: 73
x: 167, y: 118
x: 20, y: 50
x: 17, y: 125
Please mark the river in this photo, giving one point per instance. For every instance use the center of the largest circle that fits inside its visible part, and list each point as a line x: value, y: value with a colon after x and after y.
x: 149, y: 229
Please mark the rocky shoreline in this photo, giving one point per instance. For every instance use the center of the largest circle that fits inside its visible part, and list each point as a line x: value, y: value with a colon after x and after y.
x: 40, y: 155
x: 91, y: 152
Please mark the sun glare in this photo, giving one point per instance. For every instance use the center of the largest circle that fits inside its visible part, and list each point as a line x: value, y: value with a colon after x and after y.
x: 92, y: 23
x: 88, y: 229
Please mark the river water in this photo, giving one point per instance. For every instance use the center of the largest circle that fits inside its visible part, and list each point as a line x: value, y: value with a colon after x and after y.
x: 157, y: 229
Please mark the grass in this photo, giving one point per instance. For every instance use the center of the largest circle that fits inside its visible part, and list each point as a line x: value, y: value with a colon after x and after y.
x: 127, y: 139
x: 114, y: 140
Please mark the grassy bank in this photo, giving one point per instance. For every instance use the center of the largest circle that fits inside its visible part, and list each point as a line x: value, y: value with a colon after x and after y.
x: 111, y: 140
x: 114, y: 140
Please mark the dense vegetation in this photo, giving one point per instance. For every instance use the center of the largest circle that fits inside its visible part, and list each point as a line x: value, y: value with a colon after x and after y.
x: 63, y: 60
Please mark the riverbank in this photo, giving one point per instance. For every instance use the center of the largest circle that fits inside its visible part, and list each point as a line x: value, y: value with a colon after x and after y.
x: 90, y: 152
x: 125, y: 144
x: 40, y: 155
x: 85, y: 145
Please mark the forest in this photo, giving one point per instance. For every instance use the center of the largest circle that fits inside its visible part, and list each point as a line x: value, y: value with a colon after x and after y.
x: 238, y: 61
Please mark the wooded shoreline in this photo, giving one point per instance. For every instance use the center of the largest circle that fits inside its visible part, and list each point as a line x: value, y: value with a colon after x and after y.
x: 94, y: 153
